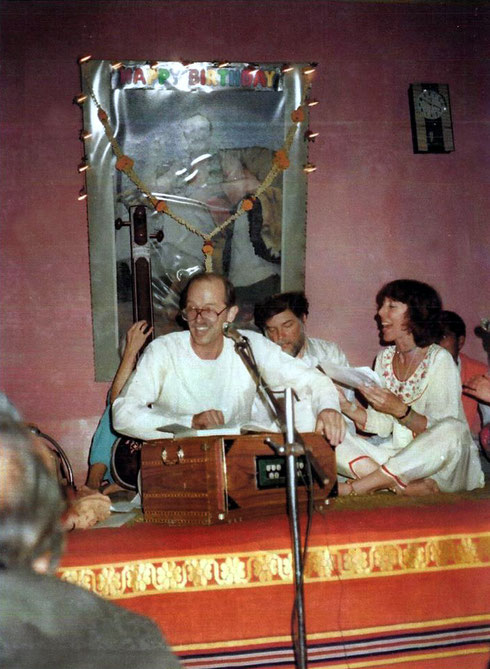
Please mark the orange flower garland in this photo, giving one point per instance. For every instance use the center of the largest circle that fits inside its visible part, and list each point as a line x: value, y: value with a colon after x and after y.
x: 281, y: 159
x: 161, y: 206
x: 124, y: 163
x: 248, y: 203
x: 298, y: 115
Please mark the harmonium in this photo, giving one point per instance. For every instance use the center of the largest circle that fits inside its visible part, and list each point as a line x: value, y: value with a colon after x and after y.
x: 220, y: 479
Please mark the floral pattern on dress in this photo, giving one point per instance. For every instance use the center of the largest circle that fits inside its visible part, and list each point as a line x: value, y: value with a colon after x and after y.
x: 413, y: 387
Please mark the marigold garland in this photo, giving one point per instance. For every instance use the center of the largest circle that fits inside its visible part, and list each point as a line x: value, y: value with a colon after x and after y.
x: 125, y: 164
x: 248, y: 203
x: 298, y: 115
x: 281, y: 159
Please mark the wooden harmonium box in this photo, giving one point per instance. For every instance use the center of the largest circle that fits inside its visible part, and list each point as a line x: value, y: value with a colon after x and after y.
x: 216, y: 479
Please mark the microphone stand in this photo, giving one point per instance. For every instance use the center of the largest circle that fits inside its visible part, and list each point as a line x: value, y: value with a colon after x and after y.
x: 292, y: 448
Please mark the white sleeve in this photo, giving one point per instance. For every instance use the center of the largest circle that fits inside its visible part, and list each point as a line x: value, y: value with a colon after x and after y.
x: 443, y: 395
x: 378, y: 422
x: 132, y: 413
x: 337, y: 355
x: 281, y: 371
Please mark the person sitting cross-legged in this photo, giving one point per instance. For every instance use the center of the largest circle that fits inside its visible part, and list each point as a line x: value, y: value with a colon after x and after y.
x: 418, y: 405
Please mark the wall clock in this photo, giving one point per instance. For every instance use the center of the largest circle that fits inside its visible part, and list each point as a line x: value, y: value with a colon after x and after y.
x: 430, y: 114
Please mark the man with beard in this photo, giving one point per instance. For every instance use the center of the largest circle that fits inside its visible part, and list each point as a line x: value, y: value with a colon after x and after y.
x: 282, y: 318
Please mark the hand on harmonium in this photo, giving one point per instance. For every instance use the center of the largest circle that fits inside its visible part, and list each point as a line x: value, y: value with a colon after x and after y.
x: 331, y: 424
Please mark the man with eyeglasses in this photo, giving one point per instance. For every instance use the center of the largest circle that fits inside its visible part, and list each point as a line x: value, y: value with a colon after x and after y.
x: 197, y: 379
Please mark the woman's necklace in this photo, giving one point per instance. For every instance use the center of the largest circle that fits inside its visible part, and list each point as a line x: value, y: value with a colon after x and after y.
x: 403, y: 373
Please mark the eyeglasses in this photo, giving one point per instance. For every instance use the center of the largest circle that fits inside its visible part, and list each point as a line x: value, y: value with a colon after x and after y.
x: 191, y: 313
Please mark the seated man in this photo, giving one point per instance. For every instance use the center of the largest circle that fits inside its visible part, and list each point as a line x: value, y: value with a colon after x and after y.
x: 453, y: 339
x: 46, y: 622
x: 282, y: 318
x: 197, y: 379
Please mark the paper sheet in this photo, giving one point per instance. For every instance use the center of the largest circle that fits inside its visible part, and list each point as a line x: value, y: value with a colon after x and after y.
x: 353, y: 377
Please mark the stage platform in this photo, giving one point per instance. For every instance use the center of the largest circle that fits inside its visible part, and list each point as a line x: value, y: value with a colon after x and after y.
x: 389, y: 582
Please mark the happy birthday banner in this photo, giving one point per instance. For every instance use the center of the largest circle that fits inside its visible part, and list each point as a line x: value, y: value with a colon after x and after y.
x: 176, y: 76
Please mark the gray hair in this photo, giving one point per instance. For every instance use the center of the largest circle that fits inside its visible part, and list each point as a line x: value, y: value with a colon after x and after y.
x: 31, y: 503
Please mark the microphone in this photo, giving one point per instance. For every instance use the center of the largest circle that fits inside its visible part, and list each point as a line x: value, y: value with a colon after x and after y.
x: 231, y: 332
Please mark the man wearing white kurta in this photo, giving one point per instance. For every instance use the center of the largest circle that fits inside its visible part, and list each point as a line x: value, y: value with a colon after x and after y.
x: 282, y: 318
x: 197, y: 379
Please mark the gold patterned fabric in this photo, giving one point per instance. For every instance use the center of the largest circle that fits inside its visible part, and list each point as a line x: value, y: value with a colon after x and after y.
x: 191, y: 573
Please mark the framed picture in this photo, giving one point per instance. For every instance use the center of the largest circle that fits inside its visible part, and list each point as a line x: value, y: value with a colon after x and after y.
x: 215, y: 155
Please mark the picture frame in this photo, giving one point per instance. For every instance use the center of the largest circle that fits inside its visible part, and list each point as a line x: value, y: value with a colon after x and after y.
x: 196, y: 144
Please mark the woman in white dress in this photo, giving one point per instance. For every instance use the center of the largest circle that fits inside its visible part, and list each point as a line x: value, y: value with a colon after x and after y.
x: 418, y: 408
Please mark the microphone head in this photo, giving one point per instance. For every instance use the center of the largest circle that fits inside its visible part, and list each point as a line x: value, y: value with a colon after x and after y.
x: 230, y: 331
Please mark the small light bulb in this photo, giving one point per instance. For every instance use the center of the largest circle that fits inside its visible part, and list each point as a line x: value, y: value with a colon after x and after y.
x: 312, y: 102
x: 80, y: 98
x: 287, y: 68
x: 309, y: 167
x: 310, y: 68
x: 310, y: 135
x: 117, y: 65
x: 82, y: 195
x: 84, y: 59
x: 83, y: 166
x: 223, y: 63
x: 85, y: 134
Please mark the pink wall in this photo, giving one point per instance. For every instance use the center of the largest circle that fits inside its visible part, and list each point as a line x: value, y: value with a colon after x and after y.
x: 376, y: 211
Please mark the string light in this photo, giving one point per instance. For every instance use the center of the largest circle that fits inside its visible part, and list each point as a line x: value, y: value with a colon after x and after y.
x: 287, y: 68
x: 82, y: 195
x: 312, y: 102
x: 85, y: 134
x: 84, y: 59
x: 117, y: 65
x: 80, y: 98
x: 310, y: 135
x: 154, y: 64
x: 309, y: 167
x: 223, y: 63
x: 83, y: 166
x: 310, y: 69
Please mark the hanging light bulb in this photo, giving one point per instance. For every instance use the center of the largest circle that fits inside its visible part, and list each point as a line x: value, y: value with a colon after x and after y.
x: 82, y: 194
x: 84, y: 59
x: 310, y: 135
x: 309, y: 167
